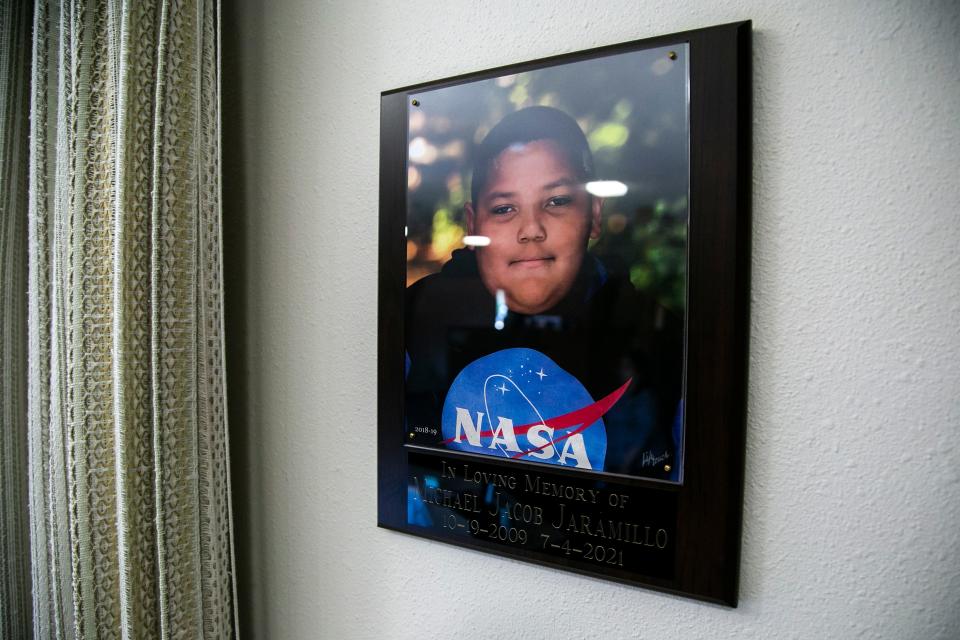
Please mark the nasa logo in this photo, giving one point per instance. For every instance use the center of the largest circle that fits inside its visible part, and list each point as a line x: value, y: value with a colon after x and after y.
x: 517, y: 403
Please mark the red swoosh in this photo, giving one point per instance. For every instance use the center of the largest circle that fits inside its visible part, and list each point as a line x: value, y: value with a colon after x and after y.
x: 584, y: 417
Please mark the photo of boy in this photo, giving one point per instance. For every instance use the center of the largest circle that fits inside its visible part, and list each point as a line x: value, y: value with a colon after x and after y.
x: 526, y: 279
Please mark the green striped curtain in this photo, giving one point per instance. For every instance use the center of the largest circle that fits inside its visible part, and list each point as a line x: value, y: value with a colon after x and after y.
x: 119, y: 407
x: 14, y: 107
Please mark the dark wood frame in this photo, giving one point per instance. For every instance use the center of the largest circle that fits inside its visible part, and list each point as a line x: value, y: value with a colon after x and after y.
x: 709, y: 500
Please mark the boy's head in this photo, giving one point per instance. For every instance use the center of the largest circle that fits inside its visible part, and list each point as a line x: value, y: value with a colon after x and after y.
x: 528, y: 198
x: 527, y: 125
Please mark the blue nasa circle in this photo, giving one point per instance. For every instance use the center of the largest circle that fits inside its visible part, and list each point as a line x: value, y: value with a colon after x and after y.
x: 517, y: 387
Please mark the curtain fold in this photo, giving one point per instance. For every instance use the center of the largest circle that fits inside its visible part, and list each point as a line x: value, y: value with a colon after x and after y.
x: 129, y: 486
x: 14, y: 543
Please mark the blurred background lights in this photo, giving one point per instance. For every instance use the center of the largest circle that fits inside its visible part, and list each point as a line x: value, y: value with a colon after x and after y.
x: 661, y: 66
x: 606, y: 188
x: 440, y: 124
x: 455, y: 189
x: 548, y: 100
x: 454, y: 149
x: 421, y: 151
x: 417, y: 118
x: 608, y: 134
x: 446, y: 235
x: 476, y: 241
x: 616, y: 223
x: 413, y: 178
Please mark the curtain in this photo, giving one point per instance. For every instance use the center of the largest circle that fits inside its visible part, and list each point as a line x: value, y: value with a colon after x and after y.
x: 129, y: 494
x: 14, y: 549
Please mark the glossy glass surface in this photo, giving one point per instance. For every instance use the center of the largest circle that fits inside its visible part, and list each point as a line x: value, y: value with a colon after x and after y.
x: 546, y: 243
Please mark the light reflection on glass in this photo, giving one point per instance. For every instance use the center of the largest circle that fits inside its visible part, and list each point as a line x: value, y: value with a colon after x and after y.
x: 606, y: 188
x: 638, y: 134
x: 501, y: 309
x: 476, y: 241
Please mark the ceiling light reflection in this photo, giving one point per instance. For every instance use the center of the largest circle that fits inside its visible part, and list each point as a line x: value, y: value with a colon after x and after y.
x: 476, y: 241
x: 606, y: 188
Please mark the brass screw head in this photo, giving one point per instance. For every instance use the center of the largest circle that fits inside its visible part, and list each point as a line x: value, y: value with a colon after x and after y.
x: 415, y: 103
x: 672, y: 55
x: 667, y: 468
x: 412, y: 435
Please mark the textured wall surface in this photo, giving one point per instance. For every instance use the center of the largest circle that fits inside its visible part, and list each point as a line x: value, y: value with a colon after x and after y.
x: 852, y: 501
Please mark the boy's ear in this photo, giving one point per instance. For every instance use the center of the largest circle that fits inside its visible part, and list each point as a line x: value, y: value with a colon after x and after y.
x: 596, y: 209
x: 471, y: 218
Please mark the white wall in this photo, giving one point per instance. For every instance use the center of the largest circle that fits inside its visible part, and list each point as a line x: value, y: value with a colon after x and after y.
x: 852, y: 505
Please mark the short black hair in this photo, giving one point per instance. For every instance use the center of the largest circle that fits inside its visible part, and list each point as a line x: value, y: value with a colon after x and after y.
x: 528, y: 125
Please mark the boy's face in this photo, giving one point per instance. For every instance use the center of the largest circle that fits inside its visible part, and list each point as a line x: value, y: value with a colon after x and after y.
x: 538, y: 217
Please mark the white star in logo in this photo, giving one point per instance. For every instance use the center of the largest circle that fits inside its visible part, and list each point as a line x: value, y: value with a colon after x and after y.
x: 502, y: 388
x: 541, y: 374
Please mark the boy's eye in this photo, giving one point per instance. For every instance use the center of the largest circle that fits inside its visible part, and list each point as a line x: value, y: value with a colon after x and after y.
x: 502, y: 209
x: 559, y: 201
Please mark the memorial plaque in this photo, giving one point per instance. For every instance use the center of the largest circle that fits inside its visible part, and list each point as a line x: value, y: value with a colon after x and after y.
x: 584, y: 523
x: 563, y: 300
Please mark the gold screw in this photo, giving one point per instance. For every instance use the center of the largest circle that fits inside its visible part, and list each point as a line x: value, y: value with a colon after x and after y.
x: 667, y: 468
x: 415, y: 103
x: 412, y: 435
x: 672, y: 55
